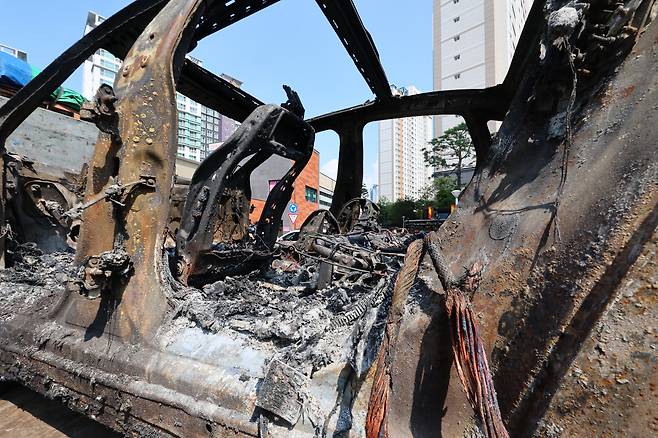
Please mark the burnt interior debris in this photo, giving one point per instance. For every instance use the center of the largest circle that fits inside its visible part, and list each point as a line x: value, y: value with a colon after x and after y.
x: 213, y: 239
x: 149, y: 303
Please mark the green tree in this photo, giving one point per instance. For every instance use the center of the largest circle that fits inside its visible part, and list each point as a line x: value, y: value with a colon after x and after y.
x: 384, y: 212
x: 439, y: 193
x: 391, y: 213
x: 438, y: 196
x: 443, y: 187
x: 454, y: 144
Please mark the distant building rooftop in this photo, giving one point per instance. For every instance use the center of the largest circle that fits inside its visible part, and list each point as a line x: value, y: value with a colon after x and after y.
x: 20, y: 54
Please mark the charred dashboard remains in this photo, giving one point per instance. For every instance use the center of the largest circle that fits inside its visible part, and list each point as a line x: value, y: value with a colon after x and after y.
x: 155, y: 308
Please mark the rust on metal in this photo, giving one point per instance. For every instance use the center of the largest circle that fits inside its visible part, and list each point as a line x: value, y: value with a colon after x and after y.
x: 469, y: 353
x: 175, y: 316
x: 376, y: 420
x: 146, y: 95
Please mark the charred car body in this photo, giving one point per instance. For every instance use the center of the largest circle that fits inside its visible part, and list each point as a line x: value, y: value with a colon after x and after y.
x: 501, y: 322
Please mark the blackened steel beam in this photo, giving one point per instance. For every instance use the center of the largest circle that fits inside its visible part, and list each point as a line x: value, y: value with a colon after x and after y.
x: 204, y: 86
x: 269, y: 130
x: 480, y: 135
x: 127, y: 23
x: 223, y: 13
x: 200, y: 84
x: 349, y: 177
x: 211, y: 91
x: 481, y: 104
x: 347, y: 24
x: 489, y: 103
x: 117, y: 34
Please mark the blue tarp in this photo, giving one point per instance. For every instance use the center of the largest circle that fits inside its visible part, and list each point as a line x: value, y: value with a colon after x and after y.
x: 13, y: 71
x: 17, y: 73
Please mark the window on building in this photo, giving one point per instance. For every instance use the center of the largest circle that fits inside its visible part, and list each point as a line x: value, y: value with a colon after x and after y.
x: 311, y: 194
x: 457, y: 57
x: 458, y: 75
x: 456, y: 37
x: 107, y: 73
x: 456, y: 19
x: 107, y: 64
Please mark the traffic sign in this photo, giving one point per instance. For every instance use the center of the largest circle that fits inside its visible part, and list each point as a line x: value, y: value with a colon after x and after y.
x: 293, y: 218
x: 292, y: 208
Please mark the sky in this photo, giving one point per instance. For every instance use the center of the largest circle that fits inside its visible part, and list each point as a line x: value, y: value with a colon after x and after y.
x: 289, y: 43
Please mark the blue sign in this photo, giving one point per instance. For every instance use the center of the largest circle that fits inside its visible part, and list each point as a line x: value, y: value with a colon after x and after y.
x: 292, y: 208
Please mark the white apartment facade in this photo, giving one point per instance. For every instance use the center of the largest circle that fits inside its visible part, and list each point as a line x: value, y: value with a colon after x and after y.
x: 99, y: 68
x: 190, y: 139
x: 374, y: 193
x: 16, y: 53
x: 327, y: 185
x: 473, y: 44
x: 403, y: 172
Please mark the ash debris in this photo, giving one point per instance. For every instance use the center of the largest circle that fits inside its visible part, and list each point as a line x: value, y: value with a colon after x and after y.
x: 32, y: 277
x: 320, y: 300
x: 323, y: 300
x: 282, y: 306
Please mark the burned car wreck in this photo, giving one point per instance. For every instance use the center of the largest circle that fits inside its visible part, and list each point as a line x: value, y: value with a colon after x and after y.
x: 154, y: 309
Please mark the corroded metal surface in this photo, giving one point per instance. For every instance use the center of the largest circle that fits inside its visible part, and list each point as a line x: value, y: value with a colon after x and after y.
x: 377, y: 421
x: 469, y: 353
x: 38, y: 203
x: 535, y: 285
x: 559, y: 220
x: 611, y: 384
x: 146, y: 149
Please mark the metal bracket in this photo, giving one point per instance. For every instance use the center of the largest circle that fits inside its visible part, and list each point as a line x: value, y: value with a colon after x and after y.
x: 115, y: 193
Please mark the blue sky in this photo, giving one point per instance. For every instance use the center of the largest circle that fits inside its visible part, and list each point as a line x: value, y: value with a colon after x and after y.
x: 290, y: 42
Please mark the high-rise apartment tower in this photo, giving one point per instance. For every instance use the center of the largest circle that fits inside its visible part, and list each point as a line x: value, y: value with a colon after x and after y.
x: 474, y: 41
x: 403, y: 172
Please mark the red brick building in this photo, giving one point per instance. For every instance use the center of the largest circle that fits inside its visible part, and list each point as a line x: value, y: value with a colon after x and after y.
x: 306, y: 193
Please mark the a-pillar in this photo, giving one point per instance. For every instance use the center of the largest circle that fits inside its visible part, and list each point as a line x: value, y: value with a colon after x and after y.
x: 480, y: 135
x: 349, y: 177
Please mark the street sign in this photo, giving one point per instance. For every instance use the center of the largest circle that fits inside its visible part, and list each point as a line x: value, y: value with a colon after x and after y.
x: 293, y: 218
x: 292, y: 208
